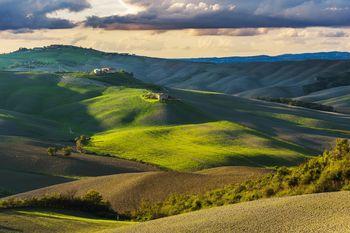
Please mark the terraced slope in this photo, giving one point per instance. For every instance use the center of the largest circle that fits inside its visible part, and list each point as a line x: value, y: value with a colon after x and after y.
x: 126, y: 191
x: 30, y: 221
x: 327, y: 212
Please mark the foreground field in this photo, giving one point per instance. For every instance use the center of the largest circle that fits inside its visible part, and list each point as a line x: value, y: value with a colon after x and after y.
x: 125, y: 192
x: 328, y: 212
x: 28, y: 221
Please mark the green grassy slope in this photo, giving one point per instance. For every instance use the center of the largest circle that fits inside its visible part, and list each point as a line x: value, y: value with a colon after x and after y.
x: 306, y: 128
x: 199, y: 130
x: 197, y: 146
x: 327, y: 212
x: 30, y: 221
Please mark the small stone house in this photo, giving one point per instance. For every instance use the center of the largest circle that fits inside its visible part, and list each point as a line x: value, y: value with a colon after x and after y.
x: 162, y: 96
x: 105, y: 70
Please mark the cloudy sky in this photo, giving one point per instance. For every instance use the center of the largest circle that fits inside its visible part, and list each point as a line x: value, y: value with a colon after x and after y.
x: 183, y: 28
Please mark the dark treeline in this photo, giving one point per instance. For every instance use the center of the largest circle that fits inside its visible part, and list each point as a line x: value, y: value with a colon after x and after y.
x: 328, y: 81
x: 92, y: 202
x: 299, y: 103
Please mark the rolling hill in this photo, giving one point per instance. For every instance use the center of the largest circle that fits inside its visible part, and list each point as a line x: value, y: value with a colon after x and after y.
x: 270, y: 79
x: 195, y: 130
x: 285, y: 57
x: 126, y: 192
x: 328, y: 212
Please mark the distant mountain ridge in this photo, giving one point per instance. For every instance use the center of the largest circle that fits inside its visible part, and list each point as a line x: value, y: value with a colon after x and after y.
x: 265, y: 58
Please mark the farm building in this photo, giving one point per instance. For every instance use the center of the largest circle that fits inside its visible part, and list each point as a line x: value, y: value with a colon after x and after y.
x: 162, y: 96
x: 105, y: 70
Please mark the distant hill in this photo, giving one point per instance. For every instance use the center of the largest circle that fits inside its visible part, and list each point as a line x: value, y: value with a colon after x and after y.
x: 266, y: 58
x: 286, y: 78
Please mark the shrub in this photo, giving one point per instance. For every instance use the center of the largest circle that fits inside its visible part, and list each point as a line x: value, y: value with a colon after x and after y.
x: 67, y: 150
x: 52, y: 151
x: 80, y: 142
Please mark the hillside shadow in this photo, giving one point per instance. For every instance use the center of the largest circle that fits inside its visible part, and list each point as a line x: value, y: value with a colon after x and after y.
x: 42, y: 97
x: 9, y: 229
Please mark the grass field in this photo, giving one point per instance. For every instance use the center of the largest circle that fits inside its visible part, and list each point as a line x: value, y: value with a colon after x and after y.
x: 328, y: 212
x: 196, y: 147
x: 41, y: 221
x: 198, y: 130
x: 126, y: 191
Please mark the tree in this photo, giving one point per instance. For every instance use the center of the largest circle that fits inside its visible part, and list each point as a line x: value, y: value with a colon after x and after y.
x: 67, y: 150
x: 80, y: 142
x: 93, y: 196
x: 52, y: 151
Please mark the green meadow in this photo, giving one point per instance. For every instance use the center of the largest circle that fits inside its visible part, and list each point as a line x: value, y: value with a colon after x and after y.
x: 197, y: 146
x: 194, y: 130
x: 42, y: 221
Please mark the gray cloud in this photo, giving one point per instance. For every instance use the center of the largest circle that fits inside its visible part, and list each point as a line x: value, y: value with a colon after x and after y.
x: 230, y: 32
x: 183, y: 14
x: 199, y: 14
x: 31, y: 14
x: 333, y: 34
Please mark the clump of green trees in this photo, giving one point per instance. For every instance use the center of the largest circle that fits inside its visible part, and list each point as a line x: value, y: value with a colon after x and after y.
x: 55, y: 151
x: 326, y: 173
x: 91, y: 202
x: 299, y: 103
x: 80, y: 142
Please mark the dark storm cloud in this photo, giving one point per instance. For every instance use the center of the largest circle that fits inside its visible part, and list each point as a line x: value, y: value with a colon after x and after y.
x: 199, y: 14
x: 31, y: 14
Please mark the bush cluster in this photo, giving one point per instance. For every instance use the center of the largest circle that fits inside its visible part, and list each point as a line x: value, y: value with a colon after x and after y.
x: 329, y: 172
x: 299, y: 103
x: 54, y: 151
x: 92, y: 202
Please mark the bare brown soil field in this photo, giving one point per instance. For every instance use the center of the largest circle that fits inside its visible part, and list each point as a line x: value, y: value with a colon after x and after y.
x: 18, y: 182
x: 126, y: 191
x: 25, y: 165
x: 326, y: 212
x: 31, y: 156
